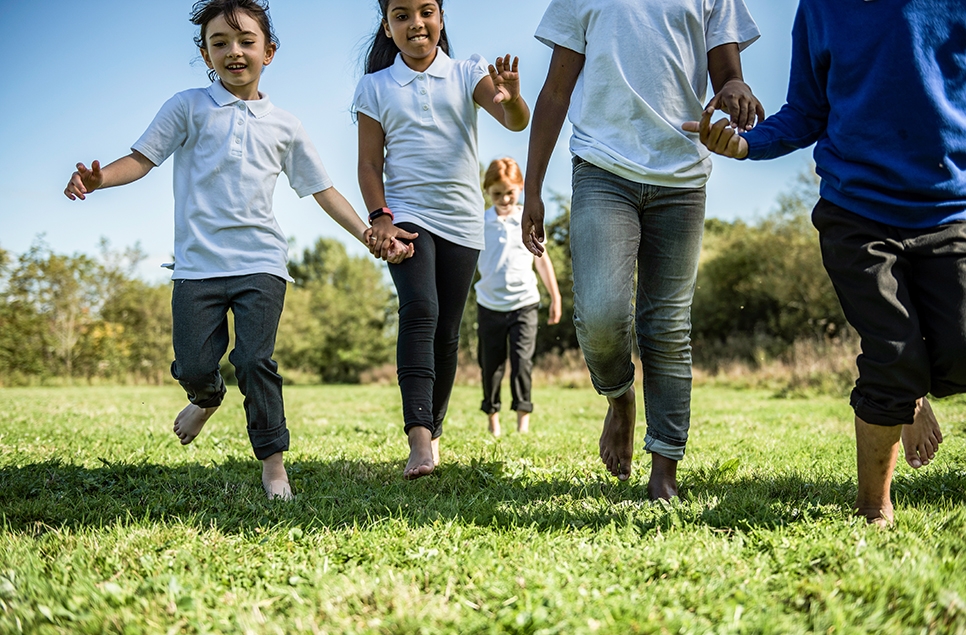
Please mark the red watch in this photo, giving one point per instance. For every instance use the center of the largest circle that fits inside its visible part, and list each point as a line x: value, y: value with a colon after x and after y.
x: 382, y: 211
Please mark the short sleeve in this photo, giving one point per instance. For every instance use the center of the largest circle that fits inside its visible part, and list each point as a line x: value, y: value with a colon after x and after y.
x: 304, y: 168
x: 364, y: 100
x: 167, y: 133
x: 477, y: 69
x: 561, y: 26
x: 731, y: 22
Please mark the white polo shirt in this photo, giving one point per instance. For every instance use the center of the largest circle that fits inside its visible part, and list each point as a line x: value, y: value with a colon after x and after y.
x: 432, y: 169
x: 228, y: 154
x: 507, y: 281
x: 646, y: 73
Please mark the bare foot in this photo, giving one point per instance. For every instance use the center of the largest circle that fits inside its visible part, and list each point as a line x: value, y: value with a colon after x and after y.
x: 663, y: 484
x: 617, y: 438
x: 494, y: 424
x: 881, y: 518
x: 921, y: 439
x: 421, y: 460
x: 523, y: 422
x: 275, y: 478
x: 436, y: 451
x: 190, y: 421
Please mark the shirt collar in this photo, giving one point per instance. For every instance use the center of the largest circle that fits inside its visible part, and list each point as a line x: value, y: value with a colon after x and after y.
x: 404, y: 75
x: 258, y: 107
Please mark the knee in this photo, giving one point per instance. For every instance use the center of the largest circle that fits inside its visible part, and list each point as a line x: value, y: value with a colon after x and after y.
x: 418, y: 314
x: 248, y: 368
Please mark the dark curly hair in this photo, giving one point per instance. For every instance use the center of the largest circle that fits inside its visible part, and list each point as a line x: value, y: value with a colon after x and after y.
x: 382, y: 51
x: 204, y: 11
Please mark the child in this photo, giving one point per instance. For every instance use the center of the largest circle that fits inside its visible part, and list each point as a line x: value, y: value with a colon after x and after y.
x: 630, y: 74
x: 892, y: 213
x: 417, y: 115
x: 229, y: 144
x: 507, y: 297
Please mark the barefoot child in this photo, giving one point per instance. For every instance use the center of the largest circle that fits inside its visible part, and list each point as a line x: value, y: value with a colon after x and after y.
x: 630, y: 74
x: 878, y: 87
x: 507, y: 297
x: 419, y: 174
x: 229, y: 143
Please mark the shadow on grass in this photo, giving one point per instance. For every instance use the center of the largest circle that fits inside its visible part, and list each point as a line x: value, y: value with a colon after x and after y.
x: 336, y: 494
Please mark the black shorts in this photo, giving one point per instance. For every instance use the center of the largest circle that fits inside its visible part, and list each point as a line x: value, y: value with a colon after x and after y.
x: 904, y: 291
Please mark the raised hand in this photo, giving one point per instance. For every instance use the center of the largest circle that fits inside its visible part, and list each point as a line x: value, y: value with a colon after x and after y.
x: 720, y: 138
x: 84, y: 181
x: 506, y: 79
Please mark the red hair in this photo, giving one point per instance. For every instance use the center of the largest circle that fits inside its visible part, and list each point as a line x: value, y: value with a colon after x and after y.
x: 506, y: 170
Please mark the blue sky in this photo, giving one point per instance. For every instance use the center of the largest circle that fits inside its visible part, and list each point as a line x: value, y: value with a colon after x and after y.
x: 88, y: 78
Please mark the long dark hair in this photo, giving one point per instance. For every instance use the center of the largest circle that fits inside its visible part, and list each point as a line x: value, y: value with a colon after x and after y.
x: 204, y: 11
x: 382, y: 52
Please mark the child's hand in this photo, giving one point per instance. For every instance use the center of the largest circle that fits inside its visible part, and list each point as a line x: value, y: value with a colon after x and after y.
x: 380, y: 238
x: 532, y: 225
x: 84, y: 181
x: 506, y: 79
x: 720, y: 138
x: 736, y: 99
x: 399, y: 251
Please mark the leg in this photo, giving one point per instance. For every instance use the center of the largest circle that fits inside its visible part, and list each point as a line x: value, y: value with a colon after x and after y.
x: 868, y: 264
x: 199, y: 310
x: 672, y: 226
x: 523, y: 343
x: 453, y: 282
x: 257, y: 302
x: 491, y: 354
x: 418, y: 313
x: 604, y: 237
x: 877, y: 448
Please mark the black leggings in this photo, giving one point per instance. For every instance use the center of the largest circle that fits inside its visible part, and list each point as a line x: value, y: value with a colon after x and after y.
x: 432, y: 288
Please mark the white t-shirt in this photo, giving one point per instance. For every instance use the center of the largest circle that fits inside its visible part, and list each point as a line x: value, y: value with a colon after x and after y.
x: 228, y: 154
x: 645, y: 73
x: 507, y: 281
x: 432, y: 169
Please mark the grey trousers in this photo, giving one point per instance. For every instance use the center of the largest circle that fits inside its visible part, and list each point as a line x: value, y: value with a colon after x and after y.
x: 200, y: 333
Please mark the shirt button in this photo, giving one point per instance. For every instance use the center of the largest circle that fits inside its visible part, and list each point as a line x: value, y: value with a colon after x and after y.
x: 237, y: 140
x: 422, y: 92
x: 420, y: 77
x: 425, y: 107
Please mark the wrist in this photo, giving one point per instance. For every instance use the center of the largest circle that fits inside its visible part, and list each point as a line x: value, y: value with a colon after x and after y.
x: 381, y: 212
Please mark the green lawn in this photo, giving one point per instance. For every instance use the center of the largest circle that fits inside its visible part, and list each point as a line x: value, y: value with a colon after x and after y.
x: 109, y: 525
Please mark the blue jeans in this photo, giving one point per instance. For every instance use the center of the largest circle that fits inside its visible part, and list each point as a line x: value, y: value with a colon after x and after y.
x: 616, y: 226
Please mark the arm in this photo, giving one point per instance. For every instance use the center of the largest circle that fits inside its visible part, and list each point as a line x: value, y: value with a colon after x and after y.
x: 800, y: 122
x: 121, y: 172
x: 372, y: 142
x: 731, y: 93
x: 545, y: 269
x: 342, y: 212
x: 548, y: 118
x: 499, y: 95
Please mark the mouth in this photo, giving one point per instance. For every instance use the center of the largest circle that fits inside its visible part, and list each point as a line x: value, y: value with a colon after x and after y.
x: 419, y: 38
x: 236, y: 68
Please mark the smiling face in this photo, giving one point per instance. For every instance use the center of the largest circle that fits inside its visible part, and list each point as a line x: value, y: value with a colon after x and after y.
x: 414, y: 25
x: 237, y: 55
x: 504, y: 196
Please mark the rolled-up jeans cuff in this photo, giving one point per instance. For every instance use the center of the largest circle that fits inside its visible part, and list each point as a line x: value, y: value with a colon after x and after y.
x: 265, y: 443
x: 613, y: 392
x: 522, y: 406
x: 665, y: 449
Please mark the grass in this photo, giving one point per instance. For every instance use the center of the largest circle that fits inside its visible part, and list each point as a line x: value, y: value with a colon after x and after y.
x: 109, y: 525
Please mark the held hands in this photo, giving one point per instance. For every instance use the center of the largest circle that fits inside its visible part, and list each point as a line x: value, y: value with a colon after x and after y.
x: 736, y: 99
x: 506, y: 79
x: 84, y: 181
x: 383, y: 242
x: 532, y: 225
x: 720, y: 138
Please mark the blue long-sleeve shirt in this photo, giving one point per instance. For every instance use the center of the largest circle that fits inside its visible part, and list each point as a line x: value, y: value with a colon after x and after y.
x: 880, y: 87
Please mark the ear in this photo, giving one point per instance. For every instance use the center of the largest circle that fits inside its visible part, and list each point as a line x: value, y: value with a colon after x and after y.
x: 204, y: 56
x: 269, y: 53
x: 385, y: 28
